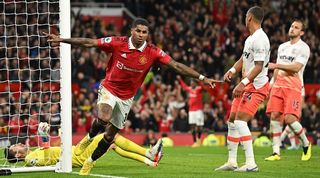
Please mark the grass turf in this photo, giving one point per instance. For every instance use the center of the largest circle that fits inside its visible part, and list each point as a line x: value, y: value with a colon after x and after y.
x: 199, y: 162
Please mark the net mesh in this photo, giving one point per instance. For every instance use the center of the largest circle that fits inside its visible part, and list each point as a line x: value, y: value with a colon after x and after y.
x: 29, y: 73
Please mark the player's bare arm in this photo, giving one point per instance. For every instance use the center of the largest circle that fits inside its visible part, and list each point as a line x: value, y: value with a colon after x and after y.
x: 249, y: 78
x: 189, y: 72
x: 274, y: 77
x: 235, y: 69
x: 84, y: 42
x: 291, y: 68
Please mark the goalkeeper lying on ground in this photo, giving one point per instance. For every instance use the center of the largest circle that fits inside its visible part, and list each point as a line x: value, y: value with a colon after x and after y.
x: 50, y: 155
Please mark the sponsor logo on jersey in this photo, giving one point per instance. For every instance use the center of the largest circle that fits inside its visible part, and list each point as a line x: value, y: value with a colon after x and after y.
x: 289, y: 58
x: 121, y: 66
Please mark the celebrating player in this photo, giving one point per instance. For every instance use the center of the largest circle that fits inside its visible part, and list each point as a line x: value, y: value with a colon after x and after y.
x: 196, y: 117
x: 249, y: 93
x: 132, y: 58
x: 50, y: 155
x: 288, y: 81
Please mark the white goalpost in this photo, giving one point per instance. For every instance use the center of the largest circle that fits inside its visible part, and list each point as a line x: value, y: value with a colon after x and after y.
x: 35, y: 79
x: 66, y: 116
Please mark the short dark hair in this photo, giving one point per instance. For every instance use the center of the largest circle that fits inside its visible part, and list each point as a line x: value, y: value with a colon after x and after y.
x: 139, y: 21
x: 303, y: 27
x: 257, y: 13
x: 10, y: 155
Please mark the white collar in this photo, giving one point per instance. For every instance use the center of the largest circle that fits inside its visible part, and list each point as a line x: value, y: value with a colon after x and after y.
x: 132, y: 47
x: 260, y: 29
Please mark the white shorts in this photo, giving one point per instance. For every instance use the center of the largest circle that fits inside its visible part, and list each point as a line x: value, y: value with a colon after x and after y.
x: 303, y: 92
x: 196, y: 117
x: 120, y: 108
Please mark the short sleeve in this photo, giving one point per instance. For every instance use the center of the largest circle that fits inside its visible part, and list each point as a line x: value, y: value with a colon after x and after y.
x: 260, y: 50
x: 162, y: 57
x: 303, y: 55
x: 106, y: 44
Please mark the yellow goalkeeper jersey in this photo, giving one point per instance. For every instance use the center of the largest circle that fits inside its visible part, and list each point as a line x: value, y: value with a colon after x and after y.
x: 50, y: 156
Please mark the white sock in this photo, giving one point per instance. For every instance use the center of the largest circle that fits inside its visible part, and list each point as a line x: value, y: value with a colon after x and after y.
x: 292, y: 139
x: 233, y: 142
x: 149, y: 162
x: 298, y: 130
x: 148, y: 154
x: 246, y: 140
x: 284, y: 134
x: 276, y: 130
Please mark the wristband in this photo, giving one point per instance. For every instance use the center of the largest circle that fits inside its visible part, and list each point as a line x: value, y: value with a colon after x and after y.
x: 233, y: 70
x: 201, y: 77
x: 245, y: 81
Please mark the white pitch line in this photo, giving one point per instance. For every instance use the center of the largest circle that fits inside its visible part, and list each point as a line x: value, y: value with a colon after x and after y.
x: 100, y: 175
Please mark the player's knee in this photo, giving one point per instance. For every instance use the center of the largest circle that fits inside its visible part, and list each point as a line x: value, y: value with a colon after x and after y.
x: 243, y: 116
x: 109, y: 138
x: 275, y: 116
x: 104, y: 116
x: 113, y: 146
x: 290, y: 118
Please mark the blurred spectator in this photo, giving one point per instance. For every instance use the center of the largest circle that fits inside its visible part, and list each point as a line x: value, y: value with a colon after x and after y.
x: 150, y: 139
x: 220, y: 126
x: 15, y: 124
x: 180, y: 123
x: 3, y: 127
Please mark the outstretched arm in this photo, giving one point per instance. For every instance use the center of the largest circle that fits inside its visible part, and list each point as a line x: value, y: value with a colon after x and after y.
x: 184, y: 85
x: 83, y: 42
x: 189, y: 72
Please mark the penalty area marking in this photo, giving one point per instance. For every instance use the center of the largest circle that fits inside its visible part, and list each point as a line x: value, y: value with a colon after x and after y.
x: 100, y: 175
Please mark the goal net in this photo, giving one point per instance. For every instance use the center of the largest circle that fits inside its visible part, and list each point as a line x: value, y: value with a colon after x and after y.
x: 32, y: 89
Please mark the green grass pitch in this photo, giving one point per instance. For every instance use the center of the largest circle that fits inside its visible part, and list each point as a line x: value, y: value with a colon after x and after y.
x: 186, y: 162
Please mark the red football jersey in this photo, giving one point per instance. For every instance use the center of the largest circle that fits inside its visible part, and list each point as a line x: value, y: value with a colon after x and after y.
x: 128, y: 66
x: 195, y: 96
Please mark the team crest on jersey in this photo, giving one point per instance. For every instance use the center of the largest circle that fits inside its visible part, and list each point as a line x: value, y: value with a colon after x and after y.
x: 143, y: 60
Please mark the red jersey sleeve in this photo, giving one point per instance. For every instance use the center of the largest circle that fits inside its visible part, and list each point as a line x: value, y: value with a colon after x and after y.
x: 106, y: 44
x: 184, y: 85
x: 162, y: 57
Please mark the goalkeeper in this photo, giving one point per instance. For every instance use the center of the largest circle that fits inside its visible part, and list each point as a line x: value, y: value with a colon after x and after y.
x: 46, y: 155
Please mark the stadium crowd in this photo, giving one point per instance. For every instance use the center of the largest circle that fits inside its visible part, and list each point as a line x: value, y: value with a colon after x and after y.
x: 207, y: 35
